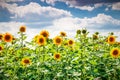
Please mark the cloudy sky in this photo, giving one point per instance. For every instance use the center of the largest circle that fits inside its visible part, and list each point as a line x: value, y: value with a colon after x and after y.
x: 60, y: 15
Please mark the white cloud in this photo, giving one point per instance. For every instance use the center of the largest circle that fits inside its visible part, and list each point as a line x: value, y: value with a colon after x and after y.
x: 116, y: 6
x: 13, y: 28
x: 88, y: 8
x: 34, y: 8
x: 67, y: 24
x: 11, y: 0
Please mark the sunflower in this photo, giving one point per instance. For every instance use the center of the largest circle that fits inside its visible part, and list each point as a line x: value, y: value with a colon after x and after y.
x: 57, y: 56
x: 95, y: 37
x: 7, y: 37
x: 57, y: 40
x: 115, y: 52
x: 45, y: 33
x: 26, y: 61
x: 41, y: 40
x: 111, y: 39
x: 63, y: 34
x: 22, y: 29
x: 70, y: 42
x: 35, y: 38
x: 1, y: 36
x: 1, y: 48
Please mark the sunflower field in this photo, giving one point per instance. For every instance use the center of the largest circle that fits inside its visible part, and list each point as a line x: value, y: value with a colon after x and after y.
x: 85, y: 57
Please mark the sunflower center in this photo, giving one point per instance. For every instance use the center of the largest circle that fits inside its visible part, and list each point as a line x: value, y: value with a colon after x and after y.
x: 0, y: 48
x: 111, y: 39
x: 26, y: 61
x: 7, y: 37
x: 41, y: 40
x: 63, y: 34
x: 58, y: 40
x: 22, y: 29
x: 0, y: 36
x: 57, y: 56
x: 44, y: 34
x: 70, y: 42
x: 115, y: 52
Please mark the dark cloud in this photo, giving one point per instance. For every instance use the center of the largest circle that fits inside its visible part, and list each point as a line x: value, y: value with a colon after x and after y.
x: 91, y: 2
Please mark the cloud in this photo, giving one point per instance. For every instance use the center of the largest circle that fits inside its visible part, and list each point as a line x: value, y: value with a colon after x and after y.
x: 33, y: 8
x: 116, y: 6
x: 11, y: 0
x: 88, y: 5
x: 102, y: 23
x: 13, y: 28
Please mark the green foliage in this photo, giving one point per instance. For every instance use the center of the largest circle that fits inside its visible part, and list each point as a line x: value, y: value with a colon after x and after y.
x: 87, y: 59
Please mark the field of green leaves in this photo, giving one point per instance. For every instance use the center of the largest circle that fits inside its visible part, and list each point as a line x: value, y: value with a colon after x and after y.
x: 85, y: 57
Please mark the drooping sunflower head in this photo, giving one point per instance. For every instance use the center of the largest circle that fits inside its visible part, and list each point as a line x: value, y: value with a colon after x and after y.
x: 1, y: 36
x: 41, y: 40
x: 57, y: 56
x: 63, y: 34
x: 115, y: 52
x: 95, y: 36
x: 57, y: 40
x: 78, y: 32
x: 70, y: 42
x: 26, y: 61
x: 7, y: 37
x: 84, y: 31
x: 22, y: 29
x: 45, y: 33
x: 1, y: 48
x: 111, y: 39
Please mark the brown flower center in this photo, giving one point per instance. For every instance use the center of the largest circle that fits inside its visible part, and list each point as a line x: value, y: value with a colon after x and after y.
x: 57, y: 56
x: 22, y: 29
x: 26, y: 61
x: 41, y: 40
x: 111, y: 39
x: 70, y: 42
x: 115, y: 52
x: 44, y: 34
x: 0, y: 48
x: 7, y: 37
x: 58, y: 40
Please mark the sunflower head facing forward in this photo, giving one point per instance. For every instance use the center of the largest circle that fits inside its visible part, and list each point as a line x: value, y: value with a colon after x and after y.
x: 57, y: 40
x: 44, y: 33
x: 111, y: 39
x: 41, y: 40
x: 22, y: 29
x: 26, y: 61
x: 70, y: 42
x: 7, y: 37
x: 115, y: 52
x: 57, y: 56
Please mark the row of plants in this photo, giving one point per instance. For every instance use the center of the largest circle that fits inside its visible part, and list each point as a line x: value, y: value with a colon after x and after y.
x: 85, y: 57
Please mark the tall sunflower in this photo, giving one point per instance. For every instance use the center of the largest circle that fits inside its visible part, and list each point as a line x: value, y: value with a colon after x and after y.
x: 22, y: 29
x: 1, y: 36
x: 57, y: 56
x: 45, y: 33
x: 7, y: 37
x: 63, y: 34
x: 57, y: 40
x: 70, y: 42
x: 26, y: 61
x: 115, y: 52
x: 41, y: 40
x: 111, y: 39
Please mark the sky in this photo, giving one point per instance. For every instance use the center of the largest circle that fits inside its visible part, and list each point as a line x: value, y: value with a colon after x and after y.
x: 101, y: 16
